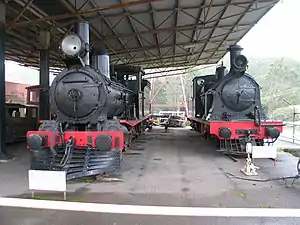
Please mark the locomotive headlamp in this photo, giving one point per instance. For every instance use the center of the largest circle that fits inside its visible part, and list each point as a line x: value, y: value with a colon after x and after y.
x: 200, y: 82
x: 72, y: 45
x: 240, y: 62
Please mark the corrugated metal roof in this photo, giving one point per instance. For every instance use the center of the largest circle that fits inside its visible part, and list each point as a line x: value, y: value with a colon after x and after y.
x: 152, y: 34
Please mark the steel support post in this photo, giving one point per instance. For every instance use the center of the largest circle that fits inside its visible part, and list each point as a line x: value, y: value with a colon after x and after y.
x: 3, y: 152
x: 44, y: 105
x: 294, y: 120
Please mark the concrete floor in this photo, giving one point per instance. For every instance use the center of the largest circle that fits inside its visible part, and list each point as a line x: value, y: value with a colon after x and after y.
x: 173, y: 169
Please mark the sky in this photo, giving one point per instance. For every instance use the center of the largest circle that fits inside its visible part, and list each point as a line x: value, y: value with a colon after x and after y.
x: 277, y: 34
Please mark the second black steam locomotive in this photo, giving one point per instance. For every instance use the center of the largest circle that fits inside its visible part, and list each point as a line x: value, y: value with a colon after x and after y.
x: 227, y: 105
x: 97, y: 111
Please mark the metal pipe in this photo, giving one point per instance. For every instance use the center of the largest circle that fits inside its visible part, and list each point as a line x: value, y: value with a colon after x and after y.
x: 83, y: 30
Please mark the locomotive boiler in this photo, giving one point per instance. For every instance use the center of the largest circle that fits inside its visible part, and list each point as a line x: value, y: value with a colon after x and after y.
x: 86, y: 138
x: 227, y: 105
x: 85, y: 96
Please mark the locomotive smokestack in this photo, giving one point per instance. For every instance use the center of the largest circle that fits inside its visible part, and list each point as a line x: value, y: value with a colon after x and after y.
x: 100, y: 60
x: 238, y: 62
x: 234, y: 51
x: 83, y: 30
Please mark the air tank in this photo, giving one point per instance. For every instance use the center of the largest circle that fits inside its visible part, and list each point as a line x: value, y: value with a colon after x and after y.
x: 100, y: 60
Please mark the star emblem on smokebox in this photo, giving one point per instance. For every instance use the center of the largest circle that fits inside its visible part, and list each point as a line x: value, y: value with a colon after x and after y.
x: 74, y: 94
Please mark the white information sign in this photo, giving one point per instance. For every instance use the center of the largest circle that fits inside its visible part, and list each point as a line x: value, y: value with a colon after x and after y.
x: 264, y: 152
x: 47, y: 180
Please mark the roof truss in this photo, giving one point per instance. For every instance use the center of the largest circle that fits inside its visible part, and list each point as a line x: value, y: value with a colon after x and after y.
x: 150, y: 33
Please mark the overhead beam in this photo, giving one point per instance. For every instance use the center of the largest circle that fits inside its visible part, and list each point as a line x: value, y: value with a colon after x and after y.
x: 173, y: 28
x: 223, y: 11
x: 37, y: 13
x: 124, y: 53
x: 93, y: 4
x: 92, y: 28
x: 79, y: 12
x: 171, y: 57
x: 120, y: 52
x: 134, y: 30
x: 179, y: 73
x: 156, y: 72
x: 167, y: 105
x: 182, y: 63
x: 210, y: 24
x: 23, y: 10
x: 240, y: 4
x: 240, y: 18
x: 195, y: 38
x: 154, y: 25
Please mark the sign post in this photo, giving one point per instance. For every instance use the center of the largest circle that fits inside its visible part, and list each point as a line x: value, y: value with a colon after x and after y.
x: 47, y: 181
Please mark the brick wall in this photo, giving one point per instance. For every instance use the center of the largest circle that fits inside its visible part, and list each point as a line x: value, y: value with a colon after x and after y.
x: 15, y: 92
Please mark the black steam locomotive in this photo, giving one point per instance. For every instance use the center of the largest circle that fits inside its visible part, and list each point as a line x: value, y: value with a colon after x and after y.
x: 227, y: 105
x: 95, y: 109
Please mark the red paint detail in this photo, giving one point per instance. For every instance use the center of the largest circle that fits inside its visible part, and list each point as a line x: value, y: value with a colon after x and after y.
x: 242, y: 125
x: 15, y: 92
x: 81, y: 137
x: 214, y: 127
x: 133, y: 123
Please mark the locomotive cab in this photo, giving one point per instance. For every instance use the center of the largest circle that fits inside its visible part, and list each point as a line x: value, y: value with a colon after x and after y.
x: 201, y: 85
x: 132, y: 76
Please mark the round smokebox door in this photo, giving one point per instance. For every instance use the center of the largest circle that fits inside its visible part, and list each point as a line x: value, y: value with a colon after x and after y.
x: 76, y: 95
x: 239, y: 93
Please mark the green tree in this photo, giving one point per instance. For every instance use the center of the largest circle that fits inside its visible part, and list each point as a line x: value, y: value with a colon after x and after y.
x: 279, y: 80
x: 161, y: 97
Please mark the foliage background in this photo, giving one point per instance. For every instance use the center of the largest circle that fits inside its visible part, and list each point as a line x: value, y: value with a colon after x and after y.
x: 279, y: 79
